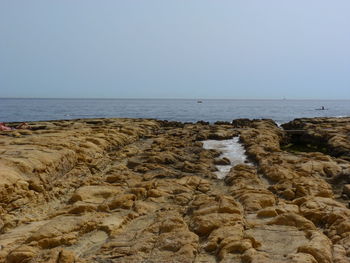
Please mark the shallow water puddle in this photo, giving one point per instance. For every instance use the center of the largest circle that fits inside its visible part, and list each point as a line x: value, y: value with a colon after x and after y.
x: 230, y: 149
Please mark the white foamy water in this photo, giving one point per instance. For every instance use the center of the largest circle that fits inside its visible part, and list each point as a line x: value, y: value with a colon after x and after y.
x: 230, y: 149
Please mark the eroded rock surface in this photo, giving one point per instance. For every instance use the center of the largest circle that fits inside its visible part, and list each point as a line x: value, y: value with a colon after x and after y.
x: 126, y: 190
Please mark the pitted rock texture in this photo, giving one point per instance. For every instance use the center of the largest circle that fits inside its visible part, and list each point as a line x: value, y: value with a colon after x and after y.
x: 331, y: 132
x: 127, y: 190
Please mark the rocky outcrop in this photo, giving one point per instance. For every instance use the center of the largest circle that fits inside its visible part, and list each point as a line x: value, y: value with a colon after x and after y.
x: 333, y: 133
x: 124, y: 190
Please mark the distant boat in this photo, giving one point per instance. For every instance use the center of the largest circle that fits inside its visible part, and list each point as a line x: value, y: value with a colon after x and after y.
x: 322, y: 108
x: 199, y: 101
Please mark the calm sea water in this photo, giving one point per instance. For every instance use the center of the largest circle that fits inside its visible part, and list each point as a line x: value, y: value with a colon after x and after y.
x: 168, y: 109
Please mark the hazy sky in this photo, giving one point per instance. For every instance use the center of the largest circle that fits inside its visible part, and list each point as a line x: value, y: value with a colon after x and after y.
x: 175, y: 49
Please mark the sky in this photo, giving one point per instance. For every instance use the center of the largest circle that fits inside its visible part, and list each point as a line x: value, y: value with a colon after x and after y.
x: 241, y: 49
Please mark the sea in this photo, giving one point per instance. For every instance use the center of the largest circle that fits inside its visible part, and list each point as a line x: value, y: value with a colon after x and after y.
x: 184, y: 110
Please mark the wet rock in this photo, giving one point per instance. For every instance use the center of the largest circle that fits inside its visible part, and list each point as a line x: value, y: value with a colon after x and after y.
x: 241, y: 123
x: 222, y: 161
x: 346, y: 190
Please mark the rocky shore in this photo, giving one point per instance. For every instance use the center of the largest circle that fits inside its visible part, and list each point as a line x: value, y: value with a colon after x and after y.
x: 137, y: 190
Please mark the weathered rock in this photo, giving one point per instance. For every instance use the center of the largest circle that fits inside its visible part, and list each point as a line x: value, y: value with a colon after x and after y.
x: 21, y: 254
x: 123, y: 190
x: 346, y: 190
x: 222, y: 161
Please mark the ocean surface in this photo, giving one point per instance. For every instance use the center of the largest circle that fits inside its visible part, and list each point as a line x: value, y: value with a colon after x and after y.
x: 185, y: 110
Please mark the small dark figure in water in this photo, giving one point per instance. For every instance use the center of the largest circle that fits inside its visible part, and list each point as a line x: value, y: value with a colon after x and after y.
x: 322, y: 108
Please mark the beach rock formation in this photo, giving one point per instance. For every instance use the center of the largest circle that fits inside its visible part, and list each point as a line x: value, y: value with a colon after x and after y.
x: 137, y: 190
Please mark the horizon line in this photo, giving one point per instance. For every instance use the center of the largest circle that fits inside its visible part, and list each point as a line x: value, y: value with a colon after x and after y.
x: 104, y: 98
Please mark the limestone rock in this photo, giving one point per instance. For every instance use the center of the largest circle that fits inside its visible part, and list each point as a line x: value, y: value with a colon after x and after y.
x: 137, y: 190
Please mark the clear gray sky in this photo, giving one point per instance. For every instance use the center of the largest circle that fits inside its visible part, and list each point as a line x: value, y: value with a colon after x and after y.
x: 175, y: 49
